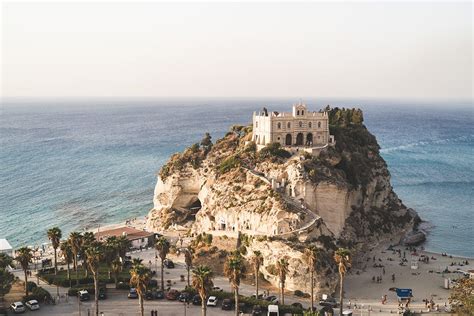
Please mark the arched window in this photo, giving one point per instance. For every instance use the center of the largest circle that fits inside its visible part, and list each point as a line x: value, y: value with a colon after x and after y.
x: 302, y: 112
x: 309, y: 124
x: 288, y: 125
x: 301, y: 124
x: 278, y: 125
x: 319, y: 124
x: 256, y: 124
x: 298, y: 112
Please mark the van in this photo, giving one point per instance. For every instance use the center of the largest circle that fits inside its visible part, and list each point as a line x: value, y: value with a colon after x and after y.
x: 273, y: 310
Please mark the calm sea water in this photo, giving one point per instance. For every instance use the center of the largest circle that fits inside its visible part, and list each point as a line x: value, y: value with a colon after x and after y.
x: 80, y: 164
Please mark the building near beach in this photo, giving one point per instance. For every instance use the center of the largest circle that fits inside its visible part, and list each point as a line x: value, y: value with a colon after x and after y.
x: 138, y: 238
x: 299, y: 130
x: 5, y: 247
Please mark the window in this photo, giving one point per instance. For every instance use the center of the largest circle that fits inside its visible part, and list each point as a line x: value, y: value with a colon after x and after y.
x: 298, y: 112
x: 319, y: 124
x: 301, y: 124
x: 302, y: 112
x: 309, y: 124
x: 256, y: 124
x: 279, y: 125
x: 289, y: 125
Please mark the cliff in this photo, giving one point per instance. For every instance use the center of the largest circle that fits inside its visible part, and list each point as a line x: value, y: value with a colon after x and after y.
x: 284, y: 202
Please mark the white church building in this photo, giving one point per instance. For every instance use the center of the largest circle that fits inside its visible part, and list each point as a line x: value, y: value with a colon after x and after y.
x: 299, y: 130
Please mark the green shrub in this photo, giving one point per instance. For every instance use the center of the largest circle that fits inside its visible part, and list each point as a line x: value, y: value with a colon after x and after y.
x: 273, y: 150
x: 123, y: 286
x: 229, y: 164
x: 30, y: 286
x: 39, y: 294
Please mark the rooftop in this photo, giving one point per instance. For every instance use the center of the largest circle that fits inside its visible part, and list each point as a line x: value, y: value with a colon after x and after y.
x: 130, y: 232
x: 5, y: 245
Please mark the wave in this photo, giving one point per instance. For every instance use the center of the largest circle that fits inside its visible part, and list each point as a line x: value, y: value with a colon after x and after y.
x: 427, y: 142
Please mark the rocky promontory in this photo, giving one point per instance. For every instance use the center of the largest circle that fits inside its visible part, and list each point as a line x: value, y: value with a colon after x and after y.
x: 281, y: 202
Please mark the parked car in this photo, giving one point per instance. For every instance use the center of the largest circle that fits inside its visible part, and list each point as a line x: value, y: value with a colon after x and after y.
x: 84, y: 295
x: 133, y: 293
x: 217, y: 289
x: 18, y: 307
x: 159, y: 294
x: 184, y: 297
x: 260, y: 296
x: 197, y: 299
x: 172, y: 295
x: 257, y: 310
x: 149, y: 295
x: 273, y: 310
x: 168, y: 263
x: 227, y: 304
x: 102, y: 293
x: 33, y: 305
x: 330, y: 302
x: 272, y: 299
x: 212, y: 301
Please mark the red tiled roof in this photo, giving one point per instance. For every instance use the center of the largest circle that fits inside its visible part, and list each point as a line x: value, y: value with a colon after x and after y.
x: 130, y: 232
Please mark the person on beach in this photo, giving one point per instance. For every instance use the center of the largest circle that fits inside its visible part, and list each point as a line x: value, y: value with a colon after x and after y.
x: 393, y: 277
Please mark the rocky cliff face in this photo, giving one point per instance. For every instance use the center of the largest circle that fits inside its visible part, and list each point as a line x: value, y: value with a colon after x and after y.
x: 285, y: 203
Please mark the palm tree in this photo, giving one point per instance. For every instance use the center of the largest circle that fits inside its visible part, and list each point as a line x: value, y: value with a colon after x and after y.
x: 202, y: 282
x: 123, y: 245
x: 282, y: 270
x: 110, y: 253
x: 116, y: 268
x: 88, y: 239
x: 75, y: 240
x: 311, y: 257
x: 66, y: 251
x: 233, y: 269
x: 93, y: 256
x: 342, y: 257
x: 257, y: 261
x: 139, y: 278
x: 163, y: 247
x: 24, y: 257
x: 54, y: 235
x: 188, y: 259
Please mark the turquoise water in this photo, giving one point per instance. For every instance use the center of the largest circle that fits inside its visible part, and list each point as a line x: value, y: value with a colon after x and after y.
x: 80, y: 164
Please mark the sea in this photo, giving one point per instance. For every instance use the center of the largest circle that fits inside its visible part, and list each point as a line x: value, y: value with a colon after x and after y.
x: 84, y: 163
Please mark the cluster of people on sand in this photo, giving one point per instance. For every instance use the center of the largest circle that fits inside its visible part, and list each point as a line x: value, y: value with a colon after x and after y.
x: 462, y: 263
x: 431, y: 306
x: 377, y: 279
x: 444, y: 254
x: 130, y: 221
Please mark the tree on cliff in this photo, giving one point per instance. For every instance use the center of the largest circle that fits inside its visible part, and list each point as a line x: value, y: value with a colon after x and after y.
x: 257, y: 261
x: 202, y: 282
x: 342, y: 257
x: 206, y: 143
x: 94, y: 254
x: 139, y: 278
x: 233, y: 269
x: 163, y: 247
x: 311, y: 257
x: 24, y: 257
x: 54, y: 235
x: 68, y: 256
x: 75, y: 240
x: 282, y: 270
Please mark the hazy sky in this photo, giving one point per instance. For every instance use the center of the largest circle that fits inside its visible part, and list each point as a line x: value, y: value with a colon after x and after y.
x: 388, y: 50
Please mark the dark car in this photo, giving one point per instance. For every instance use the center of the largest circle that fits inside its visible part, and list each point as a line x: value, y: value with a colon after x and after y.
x: 102, y: 293
x: 227, y: 304
x: 257, y: 310
x: 197, y: 300
x: 159, y: 294
x: 84, y: 295
x: 184, y: 297
x: 172, y: 295
x: 168, y: 263
x: 329, y: 302
x: 149, y: 295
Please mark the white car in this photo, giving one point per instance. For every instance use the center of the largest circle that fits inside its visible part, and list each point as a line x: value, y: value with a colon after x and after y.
x: 212, y: 301
x: 18, y: 307
x: 32, y: 305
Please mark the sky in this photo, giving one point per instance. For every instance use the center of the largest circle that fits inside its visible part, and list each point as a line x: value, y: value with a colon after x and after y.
x: 346, y: 50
